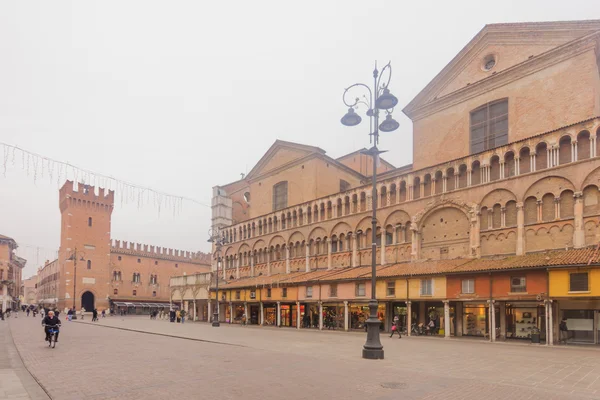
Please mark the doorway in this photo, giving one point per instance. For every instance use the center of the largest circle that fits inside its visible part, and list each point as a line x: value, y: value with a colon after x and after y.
x: 87, y: 301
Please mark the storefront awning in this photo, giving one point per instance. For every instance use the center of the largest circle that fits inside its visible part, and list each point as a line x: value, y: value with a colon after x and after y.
x: 120, y: 304
x: 130, y: 304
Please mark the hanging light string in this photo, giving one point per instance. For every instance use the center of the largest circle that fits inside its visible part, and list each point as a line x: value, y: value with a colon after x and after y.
x: 38, y: 166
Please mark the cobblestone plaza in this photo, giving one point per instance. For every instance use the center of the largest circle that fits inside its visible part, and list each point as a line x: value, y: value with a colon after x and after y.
x: 138, y: 358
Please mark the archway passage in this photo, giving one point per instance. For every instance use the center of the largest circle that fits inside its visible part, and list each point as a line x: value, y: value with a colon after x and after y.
x: 87, y: 301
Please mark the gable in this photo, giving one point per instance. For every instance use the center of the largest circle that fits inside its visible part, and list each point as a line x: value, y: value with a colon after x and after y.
x: 281, y: 157
x: 510, y: 45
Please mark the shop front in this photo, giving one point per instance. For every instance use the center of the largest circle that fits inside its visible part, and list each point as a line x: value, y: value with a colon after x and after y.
x: 524, y: 319
x: 270, y: 314
x: 238, y: 313
x: 310, y: 319
x: 333, y: 316
x: 359, y: 313
x: 288, y: 314
x: 582, y: 318
x: 399, y: 309
x: 475, y: 319
x: 254, y: 314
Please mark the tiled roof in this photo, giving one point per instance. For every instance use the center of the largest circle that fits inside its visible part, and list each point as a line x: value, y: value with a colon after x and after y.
x: 584, y: 256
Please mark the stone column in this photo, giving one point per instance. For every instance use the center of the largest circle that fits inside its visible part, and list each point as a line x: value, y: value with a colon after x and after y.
x: 415, y: 244
x: 492, y: 318
x: 539, y: 211
x: 474, y: 238
x: 502, y: 172
x: 502, y: 319
x: 520, y: 230
x: 549, y: 158
x: 469, y: 177
x: 503, y: 217
x: 579, y: 232
x: 287, y: 259
x: 307, y: 267
x: 252, y: 264
x: 532, y: 162
x: 574, y: 151
x: 369, y: 202
x: 517, y: 166
x: 278, y: 314
x: 457, y: 178
x: 592, y: 146
x: 237, y: 267
x: 446, y: 319
x: 262, y: 314
x: 444, y: 182
x: 433, y: 186
x: 409, y: 192
x: 328, y: 253
x: 209, y: 311
x: 246, y: 312
x: 195, y: 311
x: 230, y: 312
x: 354, y: 241
x: 422, y: 190
x: 382, y: 249
x: 422, y: 311
x: 395, y: 235
x: 550, y: 326
x: 320, y: 316
x: 408, y: 317
x: 269, y: 262
x: 458, y: 316
x: 346, y: 316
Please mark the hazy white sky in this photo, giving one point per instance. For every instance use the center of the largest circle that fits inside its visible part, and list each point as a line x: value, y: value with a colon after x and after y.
x: 181, y: 96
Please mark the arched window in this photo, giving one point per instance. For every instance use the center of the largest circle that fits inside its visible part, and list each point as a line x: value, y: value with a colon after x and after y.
x: 280, y: 195
x: 489, y: 126
x: 89, y: 264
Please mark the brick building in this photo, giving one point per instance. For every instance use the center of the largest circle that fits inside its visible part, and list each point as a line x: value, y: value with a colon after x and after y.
x: 505, y: 167
x: 29, y: 290
x: 11, y: 267
x: 94, y: 271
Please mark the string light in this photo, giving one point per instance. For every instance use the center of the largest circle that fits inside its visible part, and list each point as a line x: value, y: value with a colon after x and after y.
x: 35, y: 164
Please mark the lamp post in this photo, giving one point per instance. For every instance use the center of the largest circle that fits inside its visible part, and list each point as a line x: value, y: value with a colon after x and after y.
x: 379, y: 99
x: 73, y: 258
x: 218, y: 241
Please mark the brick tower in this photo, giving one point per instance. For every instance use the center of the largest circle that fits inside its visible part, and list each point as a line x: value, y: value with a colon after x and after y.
x: 85, y: 231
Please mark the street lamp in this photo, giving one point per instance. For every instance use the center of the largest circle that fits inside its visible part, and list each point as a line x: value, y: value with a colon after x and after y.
x: 379, y: 98
x: 218, y: 241
x: 73, y: 258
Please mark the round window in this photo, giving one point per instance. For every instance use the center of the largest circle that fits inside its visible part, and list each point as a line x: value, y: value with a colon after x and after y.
x: 489, y: 62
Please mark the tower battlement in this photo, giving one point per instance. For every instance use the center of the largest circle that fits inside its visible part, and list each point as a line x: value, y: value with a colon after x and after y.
x: 144, y: 250
x: 85, y: 195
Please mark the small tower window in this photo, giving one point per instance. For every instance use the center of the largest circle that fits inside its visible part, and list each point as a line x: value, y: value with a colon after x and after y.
x: 116, y: 291
x: 90, y: 221
x: 154, y: 293
x: 89, y: 264
x: 134, y: 292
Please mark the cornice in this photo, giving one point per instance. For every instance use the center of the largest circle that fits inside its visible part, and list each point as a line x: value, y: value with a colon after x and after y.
x: 507, y: 76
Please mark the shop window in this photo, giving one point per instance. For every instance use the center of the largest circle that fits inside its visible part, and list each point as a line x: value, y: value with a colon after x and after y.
x: 426, y: 287
x: 238, y: 294
x: 468, y: 286
x: 578, y: 282
x: 224, y: 296
x: 154, y: 293
x: 333, y: 290
x: 284, y: 292
x: 116, y: 291
x: 391, y: 288
x: 269, y: 292
x: 134, y: 292
x: 136, y: 278
x: 253, y: 294
x: 309, y: 291
x: 360, y: 290
x: 89, y: 264
x: 518, y: 284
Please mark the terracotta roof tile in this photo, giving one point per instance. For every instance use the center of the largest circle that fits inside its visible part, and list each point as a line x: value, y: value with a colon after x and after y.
x: 311, y: 276
x: 430, y: 267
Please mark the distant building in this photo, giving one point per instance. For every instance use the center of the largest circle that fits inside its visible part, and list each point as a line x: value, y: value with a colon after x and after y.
x: 94, y: 271
x: 11, y: 267
x: 29, y: 290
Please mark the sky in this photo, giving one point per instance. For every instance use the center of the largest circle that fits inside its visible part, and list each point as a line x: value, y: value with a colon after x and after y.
x: 182, y: 96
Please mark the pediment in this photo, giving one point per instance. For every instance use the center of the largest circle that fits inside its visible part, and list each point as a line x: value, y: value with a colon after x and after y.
x: 280, y: 154
x: 508, y: 45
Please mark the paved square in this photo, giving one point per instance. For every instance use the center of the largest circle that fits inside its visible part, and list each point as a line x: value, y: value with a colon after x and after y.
x: 110, y: 360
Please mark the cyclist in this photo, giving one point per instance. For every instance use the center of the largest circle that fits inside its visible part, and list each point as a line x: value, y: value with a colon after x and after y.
x: 51, y: 321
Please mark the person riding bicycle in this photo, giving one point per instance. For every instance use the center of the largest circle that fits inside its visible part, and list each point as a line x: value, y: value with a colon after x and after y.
x: 51, y: 321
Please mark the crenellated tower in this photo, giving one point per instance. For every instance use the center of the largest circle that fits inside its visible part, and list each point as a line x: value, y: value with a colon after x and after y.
x: 85, y: 229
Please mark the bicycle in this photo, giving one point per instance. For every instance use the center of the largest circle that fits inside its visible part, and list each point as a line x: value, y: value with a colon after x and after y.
x: 51, y: 334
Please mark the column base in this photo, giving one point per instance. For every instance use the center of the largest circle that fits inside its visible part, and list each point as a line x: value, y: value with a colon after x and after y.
x: 372, y: 354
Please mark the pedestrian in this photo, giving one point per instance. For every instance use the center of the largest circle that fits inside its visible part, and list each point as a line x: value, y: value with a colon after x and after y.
x: 95, y: 315
x: 172, y: 315
x: 396, y: 327
x: 69, y: 314
x: 244, y: 319
x: 28, y: 310
x: 183, y: 313
x: 104, y: 313
x: 563, y: 331
x: 178, y: 315
x: 1, y: 315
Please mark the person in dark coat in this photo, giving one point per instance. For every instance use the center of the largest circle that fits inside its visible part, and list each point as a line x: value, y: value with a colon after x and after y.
x: 51, y: 321
x: 172, y: 315
x: 95, y: 315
